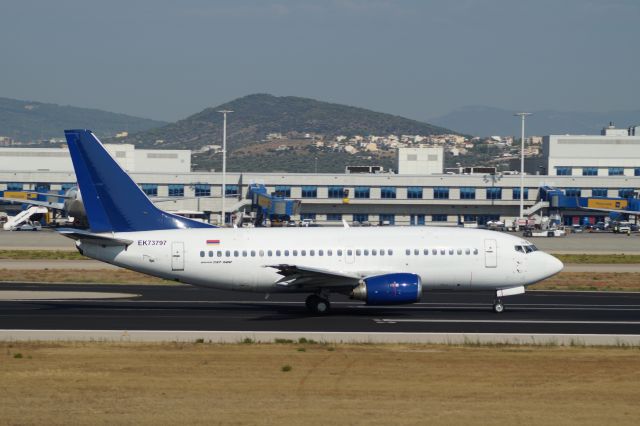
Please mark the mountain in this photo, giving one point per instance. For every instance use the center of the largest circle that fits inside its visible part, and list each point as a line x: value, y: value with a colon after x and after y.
x: 31, y: 121
x: 255, y: 116
x: 488, y: 121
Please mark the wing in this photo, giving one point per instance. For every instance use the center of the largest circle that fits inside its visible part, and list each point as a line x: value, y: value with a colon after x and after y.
x: 49, y: 204
x: 306, y: 277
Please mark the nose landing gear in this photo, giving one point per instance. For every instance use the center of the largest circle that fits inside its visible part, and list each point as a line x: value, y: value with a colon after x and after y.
x: 498, y: 307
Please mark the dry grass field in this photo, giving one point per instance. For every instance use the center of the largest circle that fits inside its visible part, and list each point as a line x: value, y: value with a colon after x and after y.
x: 109, y: 383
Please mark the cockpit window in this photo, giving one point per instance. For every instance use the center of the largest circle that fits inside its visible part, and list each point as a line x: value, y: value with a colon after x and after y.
x: 526, y: 249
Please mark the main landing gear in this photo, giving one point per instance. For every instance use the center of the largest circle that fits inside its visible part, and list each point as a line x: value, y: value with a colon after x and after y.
x: 318, y: 304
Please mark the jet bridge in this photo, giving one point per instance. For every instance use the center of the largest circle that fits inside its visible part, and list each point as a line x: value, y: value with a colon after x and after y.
x: 274, y: 207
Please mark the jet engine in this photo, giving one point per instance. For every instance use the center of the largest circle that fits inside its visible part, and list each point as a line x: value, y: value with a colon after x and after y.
x: 389, y: 289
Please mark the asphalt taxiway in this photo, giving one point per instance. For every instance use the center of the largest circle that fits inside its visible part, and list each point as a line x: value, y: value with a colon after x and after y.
x: 186, y: 308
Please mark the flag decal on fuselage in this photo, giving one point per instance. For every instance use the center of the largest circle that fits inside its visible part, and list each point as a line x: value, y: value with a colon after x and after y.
x: 213, y: 242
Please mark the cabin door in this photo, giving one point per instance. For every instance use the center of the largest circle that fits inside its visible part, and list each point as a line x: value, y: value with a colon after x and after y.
x: 490, y: 254
x: 177, y: 256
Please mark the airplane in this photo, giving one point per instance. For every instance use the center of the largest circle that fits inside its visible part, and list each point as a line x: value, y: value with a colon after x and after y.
x: 71, y: 207
x: 388, y: 265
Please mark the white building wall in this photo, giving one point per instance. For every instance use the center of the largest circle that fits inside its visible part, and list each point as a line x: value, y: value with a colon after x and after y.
x: 600, y: 151
x: 420, y: 161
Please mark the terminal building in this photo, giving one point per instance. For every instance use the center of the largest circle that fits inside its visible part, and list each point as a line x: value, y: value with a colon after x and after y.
x: 419, y: 194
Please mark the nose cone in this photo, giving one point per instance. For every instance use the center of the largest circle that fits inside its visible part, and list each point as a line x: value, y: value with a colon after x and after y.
x: 542, y: 266
x: 554, y: 264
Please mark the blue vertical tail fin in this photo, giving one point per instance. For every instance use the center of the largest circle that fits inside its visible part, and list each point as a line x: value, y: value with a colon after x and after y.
x: 112, y: 200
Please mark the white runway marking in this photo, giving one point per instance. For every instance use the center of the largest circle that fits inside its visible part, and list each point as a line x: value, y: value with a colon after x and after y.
x: 17, y: 295
x: 506, y: 321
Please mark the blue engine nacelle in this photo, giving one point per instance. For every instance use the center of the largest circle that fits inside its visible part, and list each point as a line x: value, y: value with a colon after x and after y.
x: 389, y: 289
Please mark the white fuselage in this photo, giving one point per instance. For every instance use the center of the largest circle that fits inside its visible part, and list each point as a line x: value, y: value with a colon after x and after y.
x: 239, y: 259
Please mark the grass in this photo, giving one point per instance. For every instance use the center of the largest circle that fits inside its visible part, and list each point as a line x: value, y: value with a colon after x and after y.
x: 107, y: 383
x: 599, y: 258
x: 41, y: 255
x: 80, y: 276
x: 591, y: 281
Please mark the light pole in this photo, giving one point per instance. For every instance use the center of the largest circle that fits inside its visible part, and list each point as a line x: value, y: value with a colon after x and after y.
x: 224, y: 113
x: 522, y: 115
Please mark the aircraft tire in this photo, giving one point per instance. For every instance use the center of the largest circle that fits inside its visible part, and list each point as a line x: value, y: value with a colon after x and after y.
x: 498, y: 307
x: 318, y: 305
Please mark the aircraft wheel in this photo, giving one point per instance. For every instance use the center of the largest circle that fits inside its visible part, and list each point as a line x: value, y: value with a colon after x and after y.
x: 318, y: 305
x: 498, y: 307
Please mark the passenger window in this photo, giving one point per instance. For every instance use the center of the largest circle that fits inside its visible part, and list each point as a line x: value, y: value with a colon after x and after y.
x: 358, y: 252
x: 227, y: 253
x: 312, y: 252
x: 349, y: 252
x: 295, y: 252
x: 366, y: 252
x: 407, y: 252
x: 459, y: 251
x: 303, y: 252
x: 286, y: 252
x: 244, y: 253
x: 320, y: 252
x: 339, y: 252
x: 210, y: 253
x: 467, y: 251
x: 475, y: 251
x: 329, y: 252
x: 278, y: 253
x: 416, y: 252
x: 426, y: 252
x: 374, y: 252
x: 201, y: 254
x: 236, y: 253
x: 434, y: 251
x: 269, y: 253
x: 253, y: 253
x: 443, y: 251
x: 381, y: 252
x: 261, y: 253
x: 390, y: 252
x: 450, y: 251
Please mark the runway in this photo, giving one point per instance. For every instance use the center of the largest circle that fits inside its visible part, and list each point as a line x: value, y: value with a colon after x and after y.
x: 196, y: 309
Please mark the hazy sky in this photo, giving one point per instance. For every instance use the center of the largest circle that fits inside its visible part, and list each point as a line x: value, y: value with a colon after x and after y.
x: 168, y: 59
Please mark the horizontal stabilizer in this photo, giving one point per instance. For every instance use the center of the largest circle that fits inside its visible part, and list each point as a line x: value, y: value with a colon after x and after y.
x: 89, y: 237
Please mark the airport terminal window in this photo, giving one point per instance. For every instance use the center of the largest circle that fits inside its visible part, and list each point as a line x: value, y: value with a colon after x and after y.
x: 387, y: 219
x: 67, y: 186
x: 14, y: 186
x: 334, y: 217
x: 599, y: 192
x: 573, y: 192
x: 414, y: 192
x: 440, y: 193
x: 439, y: 218
x: 494, y: 193
x: 388, y: 192
x: 589, y: 171
x: 616, y: 171
x: 516, y: 194
x: 309, y: 192
x: 202, y: 190
x: 636, y: 171
x: 335, y: 192
x: 310, y: 216
x: 625, y: 192
x: 231, y: 190
x: 467, y: 193
x: 176, y: 190
x: 563, y: 171
x: 416, y: 219
x: 283, y: 191
x: 362, y: 192
x: 151, y: 189
x: 469, y: 218
x: 360, y: 217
